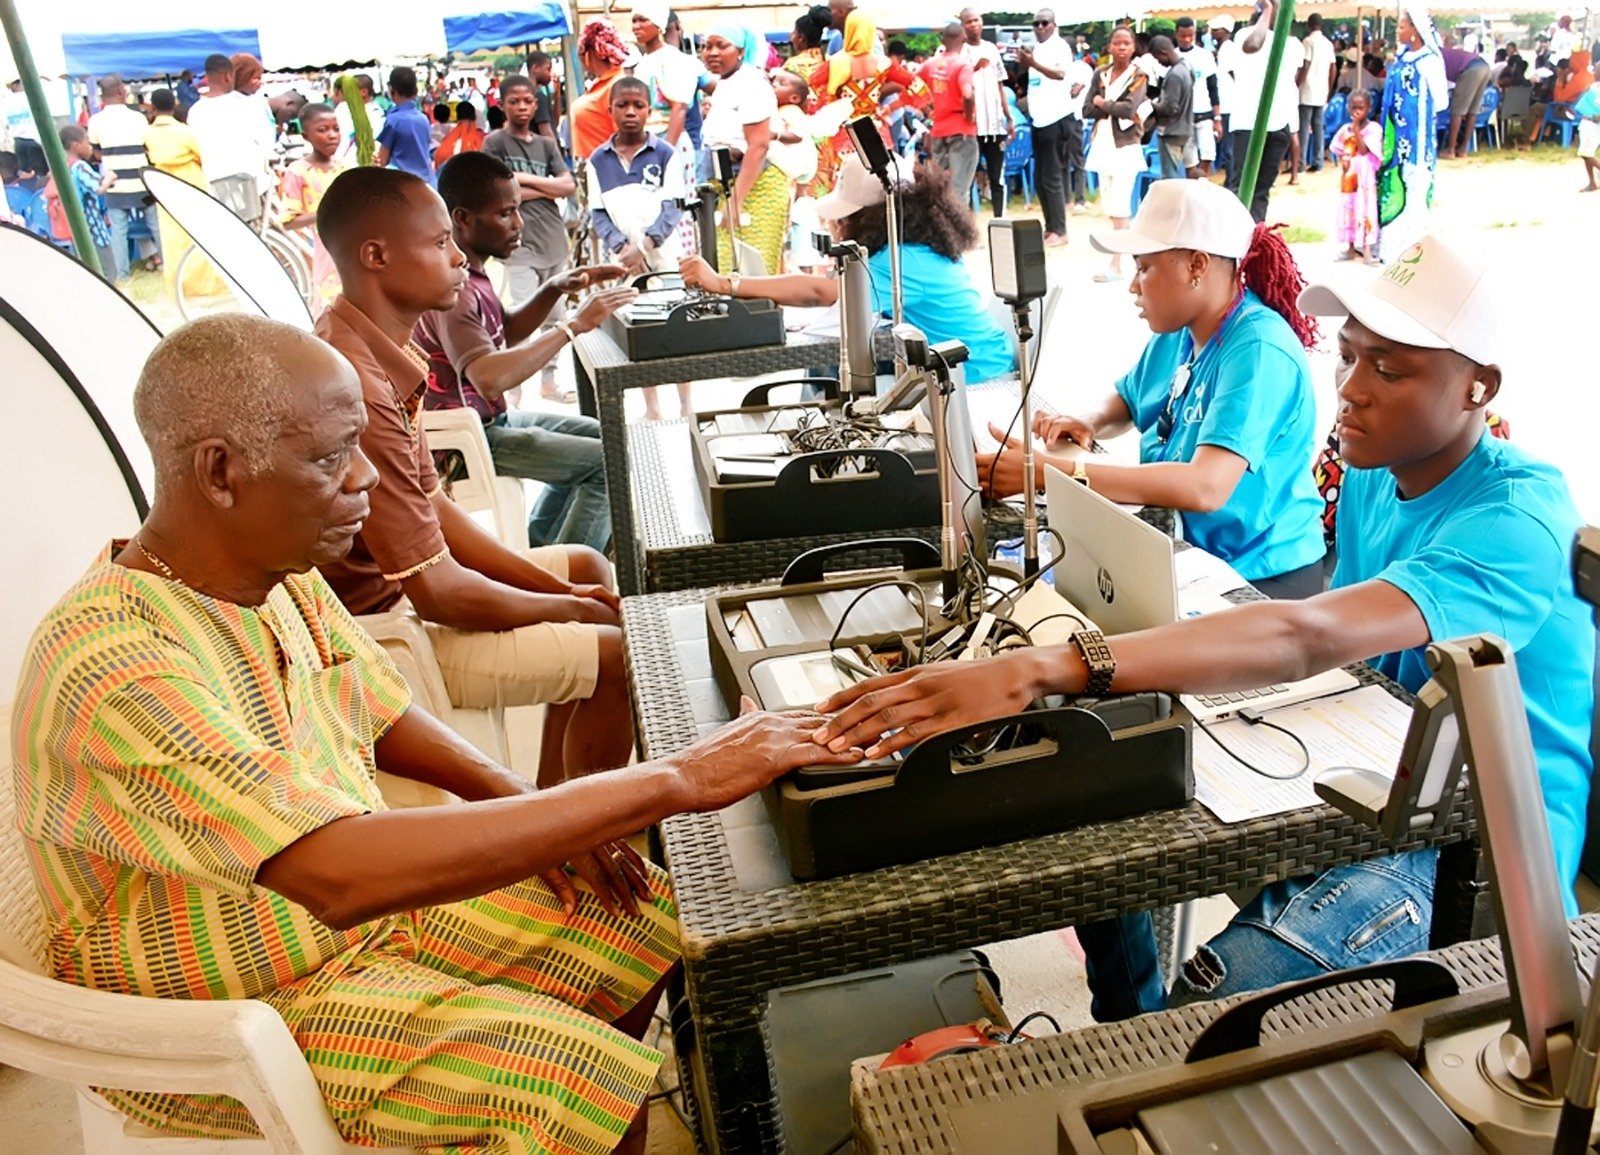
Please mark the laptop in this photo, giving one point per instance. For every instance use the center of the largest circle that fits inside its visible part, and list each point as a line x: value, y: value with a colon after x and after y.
x: 1119, y: 572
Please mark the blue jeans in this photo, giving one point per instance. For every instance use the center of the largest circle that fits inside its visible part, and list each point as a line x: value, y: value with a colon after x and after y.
x: 1346, y: 917
x: 120, y: 220
x: 564, y: 453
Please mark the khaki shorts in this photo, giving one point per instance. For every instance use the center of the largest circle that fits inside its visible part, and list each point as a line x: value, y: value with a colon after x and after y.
x: 547, y: 663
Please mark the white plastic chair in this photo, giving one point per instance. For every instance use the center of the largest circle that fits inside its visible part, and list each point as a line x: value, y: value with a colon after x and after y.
x: 482, y: 489
x: 90, y: 1038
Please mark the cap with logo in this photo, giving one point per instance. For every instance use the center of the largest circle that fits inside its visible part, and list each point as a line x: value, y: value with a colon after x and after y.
x: 1438, y: 294
x: 1184, y: 214
x: 1222, y: 20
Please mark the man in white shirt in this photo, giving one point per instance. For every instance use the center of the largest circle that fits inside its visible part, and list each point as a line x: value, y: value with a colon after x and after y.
x: 1563, y: 40
x: 1204, y: 68
x: 235, y: 140
x: 1250, y: 76
x: 671, y: 76
x: 1315, y: 79
x: 1226, y: 50
x: 1049, y: 95
x: 1080, y: 75
x: 994, y: 115
x: 119, y: 132
x: 23, y: 135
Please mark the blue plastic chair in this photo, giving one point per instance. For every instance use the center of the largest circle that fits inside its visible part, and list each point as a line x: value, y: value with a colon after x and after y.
x: 1334, y: 117
x: 1552, y: 120
x: 1151, y: 173
x: 1486, y: 123
x: 1019, y: 163
x: 1091, y: 180
x: 140, y: 228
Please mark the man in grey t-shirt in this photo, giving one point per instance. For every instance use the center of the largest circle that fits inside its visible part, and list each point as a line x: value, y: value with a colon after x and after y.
x: 542, y: 179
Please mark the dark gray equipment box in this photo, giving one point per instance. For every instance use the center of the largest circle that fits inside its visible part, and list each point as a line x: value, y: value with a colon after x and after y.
x: 1034, y: 773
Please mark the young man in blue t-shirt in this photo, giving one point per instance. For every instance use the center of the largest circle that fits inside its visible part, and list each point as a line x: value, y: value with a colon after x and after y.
x: 406, y: 140
x: 1444, y: 532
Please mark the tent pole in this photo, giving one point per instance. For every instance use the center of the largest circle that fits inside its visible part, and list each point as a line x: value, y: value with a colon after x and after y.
x: 50, y: 139
x: 1283, y: 19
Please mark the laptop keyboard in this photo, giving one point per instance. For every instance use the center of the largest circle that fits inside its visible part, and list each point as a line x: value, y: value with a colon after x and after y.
x: 1235, y: 697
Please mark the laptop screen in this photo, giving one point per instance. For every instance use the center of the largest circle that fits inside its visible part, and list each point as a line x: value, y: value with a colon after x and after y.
x: 1115, y: 568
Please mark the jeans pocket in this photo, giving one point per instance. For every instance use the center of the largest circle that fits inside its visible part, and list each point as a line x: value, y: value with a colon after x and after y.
x: 1403, y: 918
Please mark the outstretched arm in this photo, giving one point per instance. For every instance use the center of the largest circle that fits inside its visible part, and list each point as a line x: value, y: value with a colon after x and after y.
x: 1252, y: 645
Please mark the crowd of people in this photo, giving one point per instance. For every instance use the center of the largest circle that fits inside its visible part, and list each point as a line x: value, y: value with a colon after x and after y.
x: 200, y: 719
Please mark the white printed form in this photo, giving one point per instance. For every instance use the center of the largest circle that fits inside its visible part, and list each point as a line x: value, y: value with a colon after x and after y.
x: 1364, y: 727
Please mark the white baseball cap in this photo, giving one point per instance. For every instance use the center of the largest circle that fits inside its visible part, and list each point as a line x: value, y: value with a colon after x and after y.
x: 1184, y: 214
x: 658, y: 12
x: 1438, y: 294
x: 1221, y: 20
x: 855, y: 189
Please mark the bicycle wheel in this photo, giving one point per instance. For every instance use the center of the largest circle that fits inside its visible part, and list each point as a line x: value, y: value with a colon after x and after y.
x: 294, y: 262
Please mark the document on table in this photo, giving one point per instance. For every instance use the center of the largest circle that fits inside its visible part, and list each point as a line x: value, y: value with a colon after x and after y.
x: 1203, y: 579
x: 1364, y: 727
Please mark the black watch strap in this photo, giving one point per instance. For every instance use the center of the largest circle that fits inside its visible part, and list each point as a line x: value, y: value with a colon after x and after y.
x: 1098, y: 657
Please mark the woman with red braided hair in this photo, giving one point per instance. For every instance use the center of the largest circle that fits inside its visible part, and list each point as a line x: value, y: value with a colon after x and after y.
x: 1222, y: 392
x: 601, y: 53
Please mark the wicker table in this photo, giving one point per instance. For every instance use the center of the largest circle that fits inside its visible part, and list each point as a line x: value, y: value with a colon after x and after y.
x: 748, y: 927
x: 676, y: 549
x: 908, y: 1109
x: 605, y: 373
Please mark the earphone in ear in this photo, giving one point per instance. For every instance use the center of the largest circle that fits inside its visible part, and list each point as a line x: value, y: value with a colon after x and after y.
x: 1477, y: 392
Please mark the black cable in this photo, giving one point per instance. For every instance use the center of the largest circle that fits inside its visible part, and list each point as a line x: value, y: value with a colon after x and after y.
x: 898, y: 583
x: 849, y: 1137
x: 1252, y: 767
x: 1026, y: 1019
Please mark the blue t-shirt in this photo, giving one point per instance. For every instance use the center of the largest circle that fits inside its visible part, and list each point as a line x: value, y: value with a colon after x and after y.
x: 408, y: 136
x: 1488, y: 550
x: 941, y: 300
x: 1249, y: 393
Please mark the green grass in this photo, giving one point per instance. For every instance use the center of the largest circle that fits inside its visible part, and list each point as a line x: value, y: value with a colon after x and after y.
x: 1304, y: 234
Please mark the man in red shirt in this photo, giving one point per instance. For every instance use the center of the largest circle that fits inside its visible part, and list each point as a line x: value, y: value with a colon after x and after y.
x: 955, y: 120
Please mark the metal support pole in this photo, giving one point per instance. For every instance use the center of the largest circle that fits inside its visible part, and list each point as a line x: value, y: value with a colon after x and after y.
x: 1282, y: 21
x: 50, y: 139
x: 1021, y: 313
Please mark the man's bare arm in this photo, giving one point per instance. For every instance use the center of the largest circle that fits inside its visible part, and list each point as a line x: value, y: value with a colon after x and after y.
x: 371, y: 865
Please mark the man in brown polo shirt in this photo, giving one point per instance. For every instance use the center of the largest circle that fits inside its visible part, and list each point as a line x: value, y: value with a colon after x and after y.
x: 509, y: 628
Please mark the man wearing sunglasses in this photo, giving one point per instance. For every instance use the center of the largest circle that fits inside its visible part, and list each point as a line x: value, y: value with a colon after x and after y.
x: 1049, y: 101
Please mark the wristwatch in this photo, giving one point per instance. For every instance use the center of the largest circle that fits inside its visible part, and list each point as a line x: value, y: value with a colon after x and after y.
x: 733, y: 284
x: 566, y: 327
x: 1098, y: 657
x: 1080, y: 472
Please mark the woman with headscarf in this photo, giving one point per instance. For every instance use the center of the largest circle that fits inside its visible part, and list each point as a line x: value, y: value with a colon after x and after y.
x: 1413, y: 93
x: 809, y: 63
x: 740, y: 120
x: 601, y: 53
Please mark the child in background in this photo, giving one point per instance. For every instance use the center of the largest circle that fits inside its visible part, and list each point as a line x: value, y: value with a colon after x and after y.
x: 634, y: 181
x: 441, y: 124
x: 794, y: 151
x: 1359, y: 147
x: 1587, y: 110
x: 466, y: 136
x: 305, y: 182
x: 91, y: 186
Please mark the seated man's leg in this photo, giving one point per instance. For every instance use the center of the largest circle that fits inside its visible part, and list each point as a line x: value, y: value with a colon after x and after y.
x: 489, y: 1024
x: 1124, y: 967
x: 573, y: 668
x: 564, y: 453
x: 1345, y: 917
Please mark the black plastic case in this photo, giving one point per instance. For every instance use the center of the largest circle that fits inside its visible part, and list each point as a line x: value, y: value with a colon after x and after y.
x: 1069, y: 770
x: 735, y: 324
x: 902, y: 494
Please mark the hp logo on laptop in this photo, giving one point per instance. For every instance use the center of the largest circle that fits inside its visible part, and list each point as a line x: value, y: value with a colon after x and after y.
x: 1108, y: 588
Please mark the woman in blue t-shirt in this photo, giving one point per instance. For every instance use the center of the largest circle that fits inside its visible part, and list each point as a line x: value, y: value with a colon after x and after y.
x: 937, y: 292
x: 1221, y: 394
